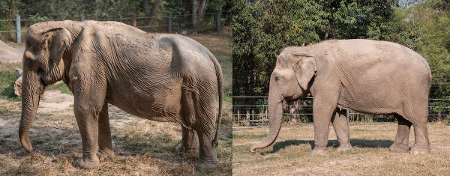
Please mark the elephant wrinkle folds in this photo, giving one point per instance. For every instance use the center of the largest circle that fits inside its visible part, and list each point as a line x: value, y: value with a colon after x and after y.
x: 373, y: 77
x: 162, y: 77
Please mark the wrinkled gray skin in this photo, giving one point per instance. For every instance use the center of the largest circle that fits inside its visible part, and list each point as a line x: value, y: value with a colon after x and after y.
x: 162, y: 77
x: 374, y: 77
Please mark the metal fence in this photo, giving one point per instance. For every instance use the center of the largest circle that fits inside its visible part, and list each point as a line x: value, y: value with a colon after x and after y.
x: 301, y: 112
x: 170, y: 23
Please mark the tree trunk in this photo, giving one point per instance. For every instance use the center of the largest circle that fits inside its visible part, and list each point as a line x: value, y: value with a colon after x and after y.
x: 154, y: 12
x: 201, y: 11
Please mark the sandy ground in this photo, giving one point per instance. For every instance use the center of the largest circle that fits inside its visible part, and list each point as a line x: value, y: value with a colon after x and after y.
x: 11, y: 54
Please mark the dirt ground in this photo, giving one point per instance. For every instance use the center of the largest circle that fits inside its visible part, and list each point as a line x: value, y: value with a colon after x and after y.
x: 11, y: 54
x: 142, y: 147
x: 290, y: 154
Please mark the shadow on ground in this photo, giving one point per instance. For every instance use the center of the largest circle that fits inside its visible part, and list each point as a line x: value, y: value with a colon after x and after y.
x: 361, y: 143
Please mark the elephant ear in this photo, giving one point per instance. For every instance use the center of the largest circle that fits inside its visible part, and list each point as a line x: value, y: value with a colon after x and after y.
x: 305, y: 68
x: 59, y: 39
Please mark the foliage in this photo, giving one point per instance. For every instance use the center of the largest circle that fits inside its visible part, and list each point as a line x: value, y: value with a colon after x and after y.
x: 433, y: 20
x: 7, y: 80
x: 60, y: 86
x: 38, y: 18
x: 262, y: 28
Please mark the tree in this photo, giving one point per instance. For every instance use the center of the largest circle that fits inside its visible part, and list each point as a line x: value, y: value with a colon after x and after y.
x: 154, y: 12
x: 262, y: 28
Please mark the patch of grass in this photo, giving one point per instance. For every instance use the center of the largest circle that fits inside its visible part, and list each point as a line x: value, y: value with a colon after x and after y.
x: 60, y: 86
x: 7, y: 80
x: 290, y: 154
x: 10, y: 66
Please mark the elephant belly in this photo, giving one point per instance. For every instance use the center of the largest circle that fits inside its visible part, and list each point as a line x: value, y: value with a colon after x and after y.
x: 160, y: 105
x: 364, y: 103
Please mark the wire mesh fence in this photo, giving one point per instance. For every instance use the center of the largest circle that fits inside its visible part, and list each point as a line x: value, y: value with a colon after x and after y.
x: 298, y: 112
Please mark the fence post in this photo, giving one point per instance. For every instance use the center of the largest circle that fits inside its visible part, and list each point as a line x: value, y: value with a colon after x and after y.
x: 81, y: 18
x: 248, y: 117
x: 18, y: 32
x: 170, y: 22
x: 347, y: 113
x: 133, y: 20
x: 218, y: 21
x: 265, y: 114
x: 238, y: 116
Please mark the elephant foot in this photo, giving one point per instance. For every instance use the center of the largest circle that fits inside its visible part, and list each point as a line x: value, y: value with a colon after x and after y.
x: 207, y: 164
x: 420, y: 149
x: 87, y: 163
x: 105, y: 154
x: 185, y: 151
x: 399, y: 148
x: 319, y: 151
x: 344, y: 147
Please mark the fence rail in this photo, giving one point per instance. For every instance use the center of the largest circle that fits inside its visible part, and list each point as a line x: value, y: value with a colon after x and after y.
x: 168, y: 23
x: 257, y: 115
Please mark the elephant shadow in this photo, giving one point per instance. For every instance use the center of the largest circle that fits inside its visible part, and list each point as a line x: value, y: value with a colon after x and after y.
x: 361, y: 143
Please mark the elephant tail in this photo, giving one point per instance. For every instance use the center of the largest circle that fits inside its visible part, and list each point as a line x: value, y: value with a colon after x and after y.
x: 219, y: 75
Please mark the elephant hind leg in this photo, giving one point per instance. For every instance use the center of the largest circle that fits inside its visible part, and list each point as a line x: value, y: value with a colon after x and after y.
x: 401, y: 142
x: 189, y: 142
x: 421, y: 144
x: 204, y: 105
x: 105, y: 150
x: 417, y: 114
x: 208, y: 156
x: 340, y: 125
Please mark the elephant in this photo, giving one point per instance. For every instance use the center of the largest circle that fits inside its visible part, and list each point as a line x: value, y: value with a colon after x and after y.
x: 373, y: 77
x: 161, y: 77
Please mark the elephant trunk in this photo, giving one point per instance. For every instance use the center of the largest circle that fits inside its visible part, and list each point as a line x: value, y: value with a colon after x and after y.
x: 31, y: 90
x: 275, y: 115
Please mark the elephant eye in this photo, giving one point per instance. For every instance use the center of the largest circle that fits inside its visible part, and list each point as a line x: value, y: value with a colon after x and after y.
x: 277, y: 78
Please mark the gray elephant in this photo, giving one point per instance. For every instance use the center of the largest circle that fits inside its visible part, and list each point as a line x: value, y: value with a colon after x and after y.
x: 161, y: 77
x: 374, y: 77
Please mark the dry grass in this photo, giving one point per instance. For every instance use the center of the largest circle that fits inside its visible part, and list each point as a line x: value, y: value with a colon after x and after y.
x: 289, y: 155
x: 142, y: 147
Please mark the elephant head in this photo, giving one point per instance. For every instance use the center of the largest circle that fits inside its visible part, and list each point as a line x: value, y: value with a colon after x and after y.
x: 290, y: 80
x: 43, y: 64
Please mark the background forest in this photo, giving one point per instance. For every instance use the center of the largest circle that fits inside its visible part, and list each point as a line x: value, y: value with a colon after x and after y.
x: 151, y: 13
x: 262, y: 28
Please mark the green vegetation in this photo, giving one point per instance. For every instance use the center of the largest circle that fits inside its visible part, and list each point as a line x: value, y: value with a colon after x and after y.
x: 262, y: 28
x: 155, y: 11
x: 60, y: 86
x: 7, y: 80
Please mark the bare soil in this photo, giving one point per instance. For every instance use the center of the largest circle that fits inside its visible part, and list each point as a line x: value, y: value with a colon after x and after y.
x: 10, y: 54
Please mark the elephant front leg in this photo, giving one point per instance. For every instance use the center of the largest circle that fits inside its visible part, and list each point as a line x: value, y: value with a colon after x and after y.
x: 402, y: 139
x: 342, y: 132
x: 104, y: 135
x: 89, y: 102
x: 88, y: 127
x: 323, y: 108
